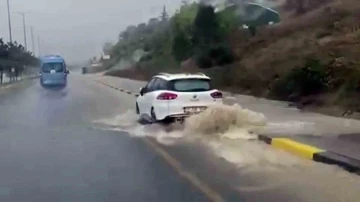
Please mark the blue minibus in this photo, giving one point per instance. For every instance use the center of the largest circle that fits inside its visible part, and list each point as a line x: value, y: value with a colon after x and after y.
x: 53, y: 72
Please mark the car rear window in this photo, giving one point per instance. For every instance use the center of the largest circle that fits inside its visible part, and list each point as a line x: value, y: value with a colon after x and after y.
x: 58, y: 67
x: 190, y: 85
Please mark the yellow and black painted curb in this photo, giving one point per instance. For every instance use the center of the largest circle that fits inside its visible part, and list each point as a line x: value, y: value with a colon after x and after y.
x: 294, y: 147
x: 312, y: 153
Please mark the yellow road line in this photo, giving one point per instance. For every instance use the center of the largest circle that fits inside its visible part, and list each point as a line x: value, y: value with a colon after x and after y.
x: 211, y: 194
x: 297, y: 148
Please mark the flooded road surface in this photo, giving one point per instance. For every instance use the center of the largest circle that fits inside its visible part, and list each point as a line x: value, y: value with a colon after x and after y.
x: 282, y: 120
x: 49, y: 150
x: 84, y: 144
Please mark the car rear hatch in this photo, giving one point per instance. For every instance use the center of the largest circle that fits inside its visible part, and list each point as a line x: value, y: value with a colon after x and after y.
x: 53, y: 74
x: 193, y: 95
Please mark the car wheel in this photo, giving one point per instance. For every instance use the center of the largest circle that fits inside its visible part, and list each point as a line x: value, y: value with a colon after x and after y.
x: 153, y: 115
x: 137, y: 109
x: 168, y: 120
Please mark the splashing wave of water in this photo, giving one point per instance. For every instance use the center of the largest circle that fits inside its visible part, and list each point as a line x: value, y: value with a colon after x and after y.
x: 224, y: 121
x: 227, y: 130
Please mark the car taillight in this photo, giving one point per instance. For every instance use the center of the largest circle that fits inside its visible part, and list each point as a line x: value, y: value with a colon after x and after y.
x: 167, y: 96
x: 216, y: 94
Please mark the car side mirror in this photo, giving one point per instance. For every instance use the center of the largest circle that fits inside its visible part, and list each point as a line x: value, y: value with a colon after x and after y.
x: 67, y: 71
x: 142, y: 91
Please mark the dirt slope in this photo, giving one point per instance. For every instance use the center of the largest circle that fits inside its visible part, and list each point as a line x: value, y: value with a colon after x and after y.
x: 328, y: 33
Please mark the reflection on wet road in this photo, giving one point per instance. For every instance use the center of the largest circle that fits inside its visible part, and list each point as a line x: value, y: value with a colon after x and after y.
x: 53, y: 148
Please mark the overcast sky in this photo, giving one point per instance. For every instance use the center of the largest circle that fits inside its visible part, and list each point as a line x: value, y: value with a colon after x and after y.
x: 77, y: 29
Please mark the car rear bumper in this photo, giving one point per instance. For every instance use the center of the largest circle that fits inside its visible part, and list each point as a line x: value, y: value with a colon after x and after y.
x: 165, y: 110
x: 53, y: 84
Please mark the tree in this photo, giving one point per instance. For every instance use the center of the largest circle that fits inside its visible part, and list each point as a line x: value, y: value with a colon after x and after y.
x: 127, y: 33
x: 3, y: 56
x: 181, y: 47
x: 228, y: 19
x: 182, y: 30
x: 164, y: 15
x: 14, y: 55
x: 184, y: 19
x: 206, y: 27
x: 107, y: 47
x: 153, y: 22
x: 194, y: 30
x: 141, y: 27
x: 208, y: 39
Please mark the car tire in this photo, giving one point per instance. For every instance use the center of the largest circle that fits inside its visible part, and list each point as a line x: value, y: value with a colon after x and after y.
x: 137, y: 108
x: 153, y: 115
x: 168, y: 120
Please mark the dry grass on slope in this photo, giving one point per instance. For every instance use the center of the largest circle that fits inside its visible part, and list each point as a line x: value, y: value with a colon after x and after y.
x: 330, y: 34
x: 322, y: 33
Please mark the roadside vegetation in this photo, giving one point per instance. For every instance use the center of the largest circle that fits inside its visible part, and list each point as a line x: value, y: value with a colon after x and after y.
x: 306, y: 52
x: 13, y: 56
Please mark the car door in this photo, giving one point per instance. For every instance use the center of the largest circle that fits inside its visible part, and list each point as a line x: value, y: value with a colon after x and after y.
x: 151, y: 96
x: 155, y: 88
x: 143, y: 100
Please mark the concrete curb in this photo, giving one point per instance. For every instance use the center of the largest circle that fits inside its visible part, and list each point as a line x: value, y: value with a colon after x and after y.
x: 313, y: 153
x: 294, y: 147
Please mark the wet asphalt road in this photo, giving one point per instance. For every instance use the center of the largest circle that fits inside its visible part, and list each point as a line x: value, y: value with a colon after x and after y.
x: 51, y: 151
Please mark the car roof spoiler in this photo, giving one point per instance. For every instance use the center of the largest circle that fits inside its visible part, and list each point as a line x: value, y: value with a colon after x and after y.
x: 168, y: 74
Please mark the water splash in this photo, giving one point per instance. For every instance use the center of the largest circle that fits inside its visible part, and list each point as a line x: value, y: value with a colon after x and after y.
x: 227, y: 130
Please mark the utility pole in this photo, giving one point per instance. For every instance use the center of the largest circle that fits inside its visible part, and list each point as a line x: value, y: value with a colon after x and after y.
x: 24, y: 27
x: 32, y: 40
x: 39, y: 47
x: 9, y: 20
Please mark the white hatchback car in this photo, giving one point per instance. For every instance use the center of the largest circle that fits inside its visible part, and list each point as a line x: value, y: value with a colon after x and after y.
x: 169, y: 97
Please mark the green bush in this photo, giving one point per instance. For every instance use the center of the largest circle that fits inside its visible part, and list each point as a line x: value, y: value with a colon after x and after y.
x: 146, y: 57
x: 203, y: 60
x: 216, y: 55
x: 181, y: 47
x: 221, y: 54
x: 308, y: 80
